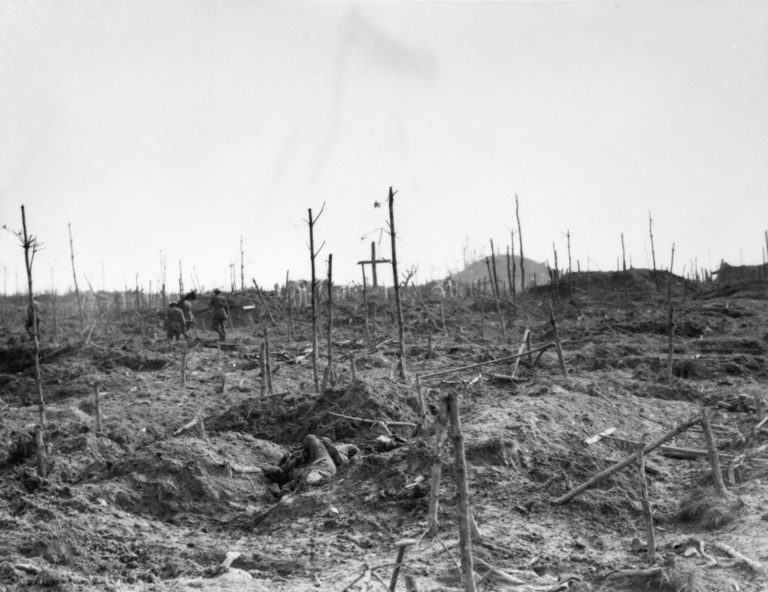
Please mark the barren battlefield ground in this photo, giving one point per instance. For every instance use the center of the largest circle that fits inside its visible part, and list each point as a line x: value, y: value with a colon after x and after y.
x: 244, y: 499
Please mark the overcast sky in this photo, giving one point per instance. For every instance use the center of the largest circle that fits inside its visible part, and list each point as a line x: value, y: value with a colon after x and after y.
x: 175, y: 127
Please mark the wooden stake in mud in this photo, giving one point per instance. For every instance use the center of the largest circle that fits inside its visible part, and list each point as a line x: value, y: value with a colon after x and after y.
x: 465, y: 530
x: 442, y: 319
x: 623, y: 464
x: 570, y: 270
x: 97, y: 410
x: 289, y: 301
x: 647, y: 507
x: 441, y: 424
x: 184, y: 351
x: 396, y: 280
x: 525, y: 342
x: 558, y: 346
x: 520, y: 238
x: 263, y: 369
x: 74, y: 277
x: 714, y: 461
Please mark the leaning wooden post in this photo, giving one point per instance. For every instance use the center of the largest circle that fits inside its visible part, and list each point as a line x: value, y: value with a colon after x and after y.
x: 714, y: 461
x: 396, y: 279
x: 97, y: 410
x: 495, y: 277
x: 441, y: 424
x: 331, y: 372
x: 74, y: 277
x: 653, y: 251
x: 558, y: 347
x: 465, y: 529
x: 647, y: 507
x: 268, y: 361
x: 263, y: 301
x: 520, y: 239
x: 524, y: 343
x: 263, y: 365
x: 623, y: 464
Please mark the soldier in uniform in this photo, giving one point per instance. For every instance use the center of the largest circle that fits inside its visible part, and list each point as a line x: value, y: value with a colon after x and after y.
x: 175, y: 322
x: 220, y: 313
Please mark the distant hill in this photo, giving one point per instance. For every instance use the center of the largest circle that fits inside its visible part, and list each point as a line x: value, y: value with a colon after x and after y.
x: 479, y: 270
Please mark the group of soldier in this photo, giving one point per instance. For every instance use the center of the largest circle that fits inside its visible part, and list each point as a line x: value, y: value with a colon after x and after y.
x: 180, y: 319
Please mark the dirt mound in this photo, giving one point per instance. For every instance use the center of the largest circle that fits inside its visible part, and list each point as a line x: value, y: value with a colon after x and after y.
x: 387, y: 402
x: 188, y: 475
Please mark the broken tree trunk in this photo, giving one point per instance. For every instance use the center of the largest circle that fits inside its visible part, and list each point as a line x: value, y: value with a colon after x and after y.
x: 464, y: 513
x: 495, y: 296
x: 30, y: 245
x: 74, y: 278
x: 520, y: 239
x: 558, y: 346
x: 437, y: 466
x: 525, y: 342
x: 623, y: 464
x: 714, y: 460
x: 313, y: 287
x: 268, y: 361
x: 396, y: 279
x: 331, y: 372
x: 647, y: 508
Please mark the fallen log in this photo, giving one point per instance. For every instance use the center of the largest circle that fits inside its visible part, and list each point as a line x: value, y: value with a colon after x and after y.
x: 623, y: 464
x: 372, y: 421
x: 755, y: 566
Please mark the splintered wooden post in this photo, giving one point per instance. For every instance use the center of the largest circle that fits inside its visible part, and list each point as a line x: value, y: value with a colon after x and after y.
x: 263, y: 301
x: 268, y: 361
x: 97, y: 409
x: 200, y: 424
x: 313, y: 287
x: 441, y: 424
x: 263, y: 369
x: 40, y: 446
x: 365, y: 304
x: 558, y: 347
x: 396, y: 281
x: 184, y: 366
x: 465, y: 529
x: 520, y: 239
x: 714, y: 461
x: 653, y: 251
x: 647, y: 507
x: 525, y: 342
x: 74, y: 277
x: 422, y: 403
